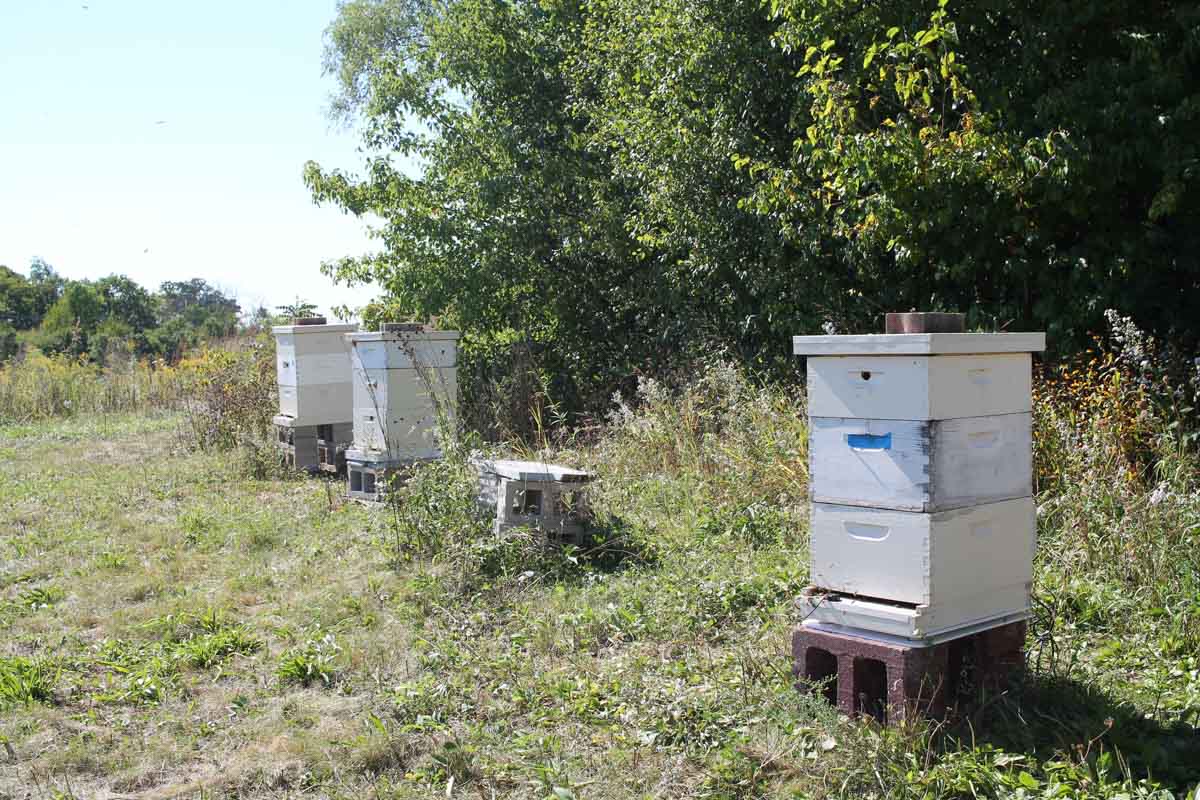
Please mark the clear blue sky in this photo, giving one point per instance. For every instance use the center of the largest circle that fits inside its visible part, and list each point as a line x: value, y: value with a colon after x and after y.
x: 165, y: 140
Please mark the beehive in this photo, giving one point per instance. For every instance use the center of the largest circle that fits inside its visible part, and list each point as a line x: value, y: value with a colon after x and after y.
x: 404, y: 381
x: 923, y: 524
x: 312, y: 367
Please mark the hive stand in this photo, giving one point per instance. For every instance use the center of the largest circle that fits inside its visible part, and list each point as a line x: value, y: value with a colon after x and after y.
x: 891, y: 680
x: 533, y: 494
x: 297, y: 443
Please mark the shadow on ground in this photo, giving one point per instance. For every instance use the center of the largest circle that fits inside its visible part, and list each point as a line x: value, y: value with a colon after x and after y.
x: 1047, y: 716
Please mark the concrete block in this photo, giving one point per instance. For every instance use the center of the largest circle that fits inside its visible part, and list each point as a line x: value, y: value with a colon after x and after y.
x: 533, y: 494
x: 890, y: 681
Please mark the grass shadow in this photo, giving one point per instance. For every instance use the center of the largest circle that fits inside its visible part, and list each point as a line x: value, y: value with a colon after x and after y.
x: 1048, y: 717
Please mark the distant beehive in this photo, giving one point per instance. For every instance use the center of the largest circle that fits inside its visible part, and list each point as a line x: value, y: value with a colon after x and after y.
x: 404, y: 386
x: 534, y: 494
x: 313, y: 376
x: 313, y: 372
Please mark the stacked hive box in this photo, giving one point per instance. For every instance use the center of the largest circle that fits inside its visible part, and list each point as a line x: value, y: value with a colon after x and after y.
x: 923, y: 524
x: 312, y: 369
x: 404, y: 386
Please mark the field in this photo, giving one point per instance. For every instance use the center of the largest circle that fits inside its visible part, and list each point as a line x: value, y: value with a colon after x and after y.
x: 180, y: 622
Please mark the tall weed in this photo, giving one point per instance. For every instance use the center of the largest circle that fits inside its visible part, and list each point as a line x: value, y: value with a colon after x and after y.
x: 36, y: 386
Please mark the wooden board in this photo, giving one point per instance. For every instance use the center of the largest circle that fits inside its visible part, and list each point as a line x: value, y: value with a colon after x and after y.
x: 919, y: 387
x: 403, y: 351
x: 929, y: 466
x: 928, y: 623
x: 921, y: 558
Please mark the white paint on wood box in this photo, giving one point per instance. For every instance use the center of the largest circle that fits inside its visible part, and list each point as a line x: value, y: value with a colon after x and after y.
x: 919, y: 387
x: 404, y: 387
x: 918, y: 344
x: 929, y: 466
x: 923, y: 559
x: 312, y: 368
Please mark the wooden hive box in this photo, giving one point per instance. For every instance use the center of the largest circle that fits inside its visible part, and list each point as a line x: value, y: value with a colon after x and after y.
x: 921, y: 479
x: 313, y: 375
x: 404, y: 383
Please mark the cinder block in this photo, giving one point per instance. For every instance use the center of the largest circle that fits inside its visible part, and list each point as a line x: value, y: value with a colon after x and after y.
x: 891, y: 680
x: 333, y: 440
x: 531, y: 494
x: 368, y: 481
x: 297, y: 444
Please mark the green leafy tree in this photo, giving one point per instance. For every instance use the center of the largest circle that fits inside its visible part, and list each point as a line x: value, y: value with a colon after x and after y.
x: 72, y: 319
x: 297, y: 310
x: 619, y: 183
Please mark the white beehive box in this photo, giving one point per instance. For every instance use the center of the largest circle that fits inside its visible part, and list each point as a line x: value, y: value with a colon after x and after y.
x: 922, y: 472
x: 313, y: 373
x: 405, y: 383
x: 924, y: 559
x: 932, y: 465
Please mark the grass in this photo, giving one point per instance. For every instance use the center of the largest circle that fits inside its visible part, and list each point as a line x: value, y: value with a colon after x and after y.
x: 175, y: 628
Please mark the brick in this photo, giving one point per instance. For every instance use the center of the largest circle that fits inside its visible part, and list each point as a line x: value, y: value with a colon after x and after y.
x: 892, y: 681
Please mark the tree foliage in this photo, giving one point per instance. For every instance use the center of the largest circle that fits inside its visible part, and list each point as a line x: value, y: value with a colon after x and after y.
x: 621, y: 182
x: 91, y: 317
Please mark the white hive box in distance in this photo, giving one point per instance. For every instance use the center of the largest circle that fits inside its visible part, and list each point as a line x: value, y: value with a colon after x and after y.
x: 313, y: 373
x: 405, y: 380
x: 921, y: 479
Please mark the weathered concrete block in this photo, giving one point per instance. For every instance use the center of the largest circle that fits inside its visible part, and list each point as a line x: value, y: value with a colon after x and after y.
x: 535, y: 494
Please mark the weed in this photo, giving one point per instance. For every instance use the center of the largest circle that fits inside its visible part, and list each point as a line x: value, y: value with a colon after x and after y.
x: 315, y: 660
x: 24, y: 681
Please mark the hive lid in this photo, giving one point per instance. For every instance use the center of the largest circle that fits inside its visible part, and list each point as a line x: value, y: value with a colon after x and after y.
x: 918, y: 344
x: 532, y: 471
x: 407, y: 336
x: 343, y: 327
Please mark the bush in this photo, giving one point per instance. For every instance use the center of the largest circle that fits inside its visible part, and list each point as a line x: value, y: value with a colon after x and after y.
x: 232, y: 394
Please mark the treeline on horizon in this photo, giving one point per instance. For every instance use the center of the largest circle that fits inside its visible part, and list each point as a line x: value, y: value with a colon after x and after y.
x: 111, y: 315
x: 618, y: 186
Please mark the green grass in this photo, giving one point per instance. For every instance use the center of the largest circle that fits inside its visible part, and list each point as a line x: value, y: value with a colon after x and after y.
x: 173, y: 628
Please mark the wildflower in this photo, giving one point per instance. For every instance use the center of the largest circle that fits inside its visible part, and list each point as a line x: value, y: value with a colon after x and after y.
x: 1159, y: 494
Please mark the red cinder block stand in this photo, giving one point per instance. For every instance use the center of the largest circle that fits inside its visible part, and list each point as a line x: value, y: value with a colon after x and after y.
x: 892, y: 680
x: 923, y: 525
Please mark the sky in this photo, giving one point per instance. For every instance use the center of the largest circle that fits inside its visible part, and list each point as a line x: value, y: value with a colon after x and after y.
x: 165, y: 140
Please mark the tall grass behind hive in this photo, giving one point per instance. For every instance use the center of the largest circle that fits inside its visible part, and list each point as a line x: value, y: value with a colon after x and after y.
x: 1118, y: 486
x: 743, y: 442
x: 38, y: 386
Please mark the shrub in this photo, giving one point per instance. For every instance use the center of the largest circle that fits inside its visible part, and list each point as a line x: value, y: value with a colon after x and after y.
x: 24, y: 681
x: 232, y: 394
